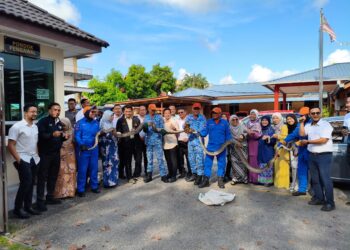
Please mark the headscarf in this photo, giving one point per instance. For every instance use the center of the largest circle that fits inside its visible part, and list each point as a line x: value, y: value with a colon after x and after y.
x: 266, y: 130
x: 254, y: 125
x: 292, y: 127
x: 236, y: 130
x: 278, y: 127
x: 66, y: 122
x: 87, y: 112
x: 105, y: 122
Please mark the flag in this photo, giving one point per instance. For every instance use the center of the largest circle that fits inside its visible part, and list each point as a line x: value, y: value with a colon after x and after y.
x: 326, y: 28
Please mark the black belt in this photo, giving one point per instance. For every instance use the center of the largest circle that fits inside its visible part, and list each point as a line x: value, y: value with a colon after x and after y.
x: 322, y: 153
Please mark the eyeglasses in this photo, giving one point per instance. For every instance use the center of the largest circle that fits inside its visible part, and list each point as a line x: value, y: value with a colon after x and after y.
x: 315, y: 113
x: 214, y: 113
x: 234, y: 119
x: 180, y: 112
x: 196, y: 108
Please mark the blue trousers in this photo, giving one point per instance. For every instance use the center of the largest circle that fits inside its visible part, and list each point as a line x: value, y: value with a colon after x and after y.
x: 158, y: 149
x: 88, y: 160
x: 208, y: 164
x: 302, y: 173
x: 196, y: 157
x: 320, y: 170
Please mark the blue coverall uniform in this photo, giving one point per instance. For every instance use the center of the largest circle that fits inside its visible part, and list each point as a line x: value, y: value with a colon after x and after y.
x: 195, y: 151
x: 154, y: 144
x: 303, y: 156
x: 218, y: 133
x: 85, y: 133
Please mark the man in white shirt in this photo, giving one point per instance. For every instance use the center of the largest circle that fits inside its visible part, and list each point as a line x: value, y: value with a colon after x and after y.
x: 346, y: 126
x: 183, y: 144
x: 320, y: 146
x: 117, y: 110
x: 173, y: 112
x: 80, y: 115
x: 22, y: 144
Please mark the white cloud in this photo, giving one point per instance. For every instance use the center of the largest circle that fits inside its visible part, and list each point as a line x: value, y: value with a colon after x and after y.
x: 212, y: 45
x: 338, y: 56
x: 182, y: 73
x: 319, y: 3
x: 227, y: 80
x: 123, y: 59
x: 194, y: 6
x: 263, y: 74
x: 61, y: 8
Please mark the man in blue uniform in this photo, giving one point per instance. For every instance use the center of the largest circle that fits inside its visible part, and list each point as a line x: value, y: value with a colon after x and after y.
x: 154, y: 143
x: 85, y: 133
x: 219, y: 132
x: 196, y: 121
x: 303, y: 155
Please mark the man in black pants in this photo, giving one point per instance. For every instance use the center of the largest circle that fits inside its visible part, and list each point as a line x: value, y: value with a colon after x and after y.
x: 183, y: 145
x: 51, y: 137
x: 141, y: 116
x: 22, y: 144
x: 132, y: 145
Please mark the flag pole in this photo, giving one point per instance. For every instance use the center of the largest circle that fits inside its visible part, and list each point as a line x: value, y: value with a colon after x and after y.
x: 321, y: 61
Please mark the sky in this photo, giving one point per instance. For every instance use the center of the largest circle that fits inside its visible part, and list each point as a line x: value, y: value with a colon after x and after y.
x: 227, y: 41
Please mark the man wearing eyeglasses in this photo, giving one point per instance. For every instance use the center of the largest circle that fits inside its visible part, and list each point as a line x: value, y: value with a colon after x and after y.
x: 320, y: 146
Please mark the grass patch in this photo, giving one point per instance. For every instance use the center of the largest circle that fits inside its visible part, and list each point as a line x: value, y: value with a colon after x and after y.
x: 6, y: 243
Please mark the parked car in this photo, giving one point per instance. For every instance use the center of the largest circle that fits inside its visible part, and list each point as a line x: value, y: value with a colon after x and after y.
x: 341, y: 159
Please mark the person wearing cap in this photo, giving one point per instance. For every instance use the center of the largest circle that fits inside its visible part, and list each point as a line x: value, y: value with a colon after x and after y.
x: 154, y: 143
x: 219, y: 132
x: 196, y: 121
x: 320, y: 146
x: 85, y: 133
x: 303, y: 155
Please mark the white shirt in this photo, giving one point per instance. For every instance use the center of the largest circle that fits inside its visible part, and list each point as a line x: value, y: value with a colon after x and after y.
x: 142, y: 133
x: 26, y: 137
x: 79, y: 115
x: 129, y: 122
x: 181, y: 123
x: 115, y: 120
x: 170, y: 140
x: 322, y: 129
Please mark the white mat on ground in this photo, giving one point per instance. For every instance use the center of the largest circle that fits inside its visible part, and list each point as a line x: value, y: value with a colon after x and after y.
x: 215, y: 197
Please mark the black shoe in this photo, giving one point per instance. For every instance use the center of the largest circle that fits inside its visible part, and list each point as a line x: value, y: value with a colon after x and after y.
x: 164, y: 179
x: 32, y: 211
x: 183, y: 174
x: 53, y: 201
x: 198, y: 179
x: 122, y: 177
x: 191, y: 178
x: 96, y: 191
x: 204, y: 183
x: 221, y: 182
x: 316, y: 202
x: 148, y: 178
x: 327, y: 208
x: 227, y: 179
x: 81, y: 194
x: 21, y: 214
x: 40, y: 206
x: 171, y: 179
x: 297, y: 193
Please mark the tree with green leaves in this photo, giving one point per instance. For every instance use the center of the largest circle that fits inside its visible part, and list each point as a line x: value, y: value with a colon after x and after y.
x: 107, y: 91
x: 138, y: 84
x: 193, y: 81
x: 162, y: 79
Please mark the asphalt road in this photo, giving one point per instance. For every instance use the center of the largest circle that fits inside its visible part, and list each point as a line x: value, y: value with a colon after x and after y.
x: 170, y: 216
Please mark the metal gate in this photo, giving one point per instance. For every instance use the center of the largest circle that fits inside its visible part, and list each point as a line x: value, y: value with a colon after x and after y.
x: 3, y: 173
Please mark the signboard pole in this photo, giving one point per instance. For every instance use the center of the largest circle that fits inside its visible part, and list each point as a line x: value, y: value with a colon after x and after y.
x: 3, y: 171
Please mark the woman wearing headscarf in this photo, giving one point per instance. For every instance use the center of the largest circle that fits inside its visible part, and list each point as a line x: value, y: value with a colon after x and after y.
x: 292, y: 123
x: 281, y: 179
x: 239, y: 171
x: 253, y: 135
x: 66, y: 180
x: 266, y: 150
x: 109, y: 151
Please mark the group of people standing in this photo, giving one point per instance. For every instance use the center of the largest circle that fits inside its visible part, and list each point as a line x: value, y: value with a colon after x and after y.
x: 62, y: 154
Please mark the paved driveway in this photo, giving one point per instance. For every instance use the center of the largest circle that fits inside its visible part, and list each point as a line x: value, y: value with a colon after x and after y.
x: 169, y: 216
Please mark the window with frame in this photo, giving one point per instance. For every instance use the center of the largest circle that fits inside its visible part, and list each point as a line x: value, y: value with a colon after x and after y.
x: 27, y: 80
